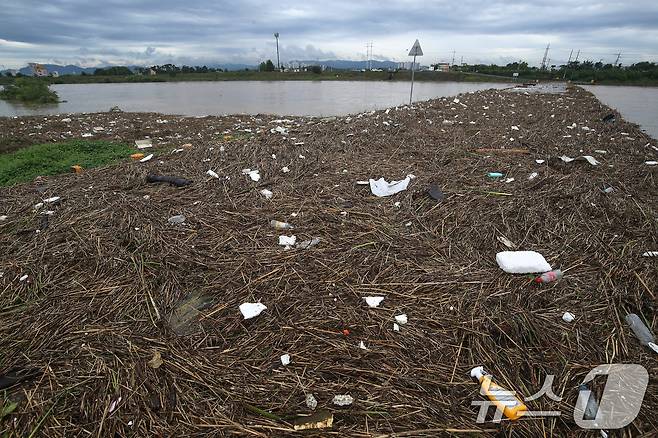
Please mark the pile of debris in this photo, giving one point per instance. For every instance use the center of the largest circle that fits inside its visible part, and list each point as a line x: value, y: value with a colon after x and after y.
x: 339, y: 273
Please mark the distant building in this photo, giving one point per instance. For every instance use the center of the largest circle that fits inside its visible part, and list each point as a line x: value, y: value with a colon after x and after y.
x: 408, y: 65
x: 443, y: 66
x: 151, y: 72
x: 38, y: 69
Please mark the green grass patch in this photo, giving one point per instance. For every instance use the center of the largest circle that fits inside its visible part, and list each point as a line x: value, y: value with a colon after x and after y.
x: 55, y: 158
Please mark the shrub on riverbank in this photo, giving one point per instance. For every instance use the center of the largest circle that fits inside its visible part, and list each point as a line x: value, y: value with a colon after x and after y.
x: 29, y: 90
x: 55, y: 158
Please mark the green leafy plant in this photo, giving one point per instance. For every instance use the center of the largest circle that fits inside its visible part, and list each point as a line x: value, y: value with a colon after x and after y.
x: 7, y: 408
x: 29, y: 90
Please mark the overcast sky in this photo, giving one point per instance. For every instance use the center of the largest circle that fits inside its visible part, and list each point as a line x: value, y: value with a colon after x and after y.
x: 197, y: 32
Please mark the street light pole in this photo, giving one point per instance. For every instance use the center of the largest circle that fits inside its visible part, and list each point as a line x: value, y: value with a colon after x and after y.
x: 278, y: 63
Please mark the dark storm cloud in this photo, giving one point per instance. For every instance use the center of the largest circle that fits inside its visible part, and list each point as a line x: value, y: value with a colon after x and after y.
x: 121, y: 31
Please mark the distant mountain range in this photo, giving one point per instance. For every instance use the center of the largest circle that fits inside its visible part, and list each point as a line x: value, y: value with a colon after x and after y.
x: 61, y: 69
x: 340, y: 64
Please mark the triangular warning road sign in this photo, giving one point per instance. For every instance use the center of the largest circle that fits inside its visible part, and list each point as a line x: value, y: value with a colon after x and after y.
x: 416, y: 50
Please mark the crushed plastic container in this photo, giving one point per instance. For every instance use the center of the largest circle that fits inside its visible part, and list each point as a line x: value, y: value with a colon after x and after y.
x: 178, y: 219
x: 306, y: 244
x: 549, y: 277
x: 641, y: 331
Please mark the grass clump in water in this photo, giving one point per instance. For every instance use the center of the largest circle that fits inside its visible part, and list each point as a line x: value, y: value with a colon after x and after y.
x: 29, y: 90
x: 55, y: 158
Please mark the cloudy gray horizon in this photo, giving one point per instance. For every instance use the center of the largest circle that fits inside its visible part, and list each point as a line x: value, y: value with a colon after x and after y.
x: 204, y: 32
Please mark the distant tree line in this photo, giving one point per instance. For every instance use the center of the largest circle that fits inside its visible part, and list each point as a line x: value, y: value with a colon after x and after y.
x: 575, y: 70
x: 169, y: 69
x: 113, y: 71
x: 267, y: 66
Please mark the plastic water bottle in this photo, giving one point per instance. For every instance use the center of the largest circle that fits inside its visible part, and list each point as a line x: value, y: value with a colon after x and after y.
x: 549, y: 276
x: 641, y: 331
x: 590, y: 406
x: 280, y: 225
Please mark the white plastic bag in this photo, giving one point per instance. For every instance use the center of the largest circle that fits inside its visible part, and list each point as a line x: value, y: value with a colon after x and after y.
x: 382, y: 188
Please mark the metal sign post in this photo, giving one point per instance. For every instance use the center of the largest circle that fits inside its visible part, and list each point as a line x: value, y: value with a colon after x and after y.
x: 415, y: 51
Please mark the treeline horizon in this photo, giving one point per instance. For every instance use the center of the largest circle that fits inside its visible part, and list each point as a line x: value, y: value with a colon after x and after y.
x: 574, y: 71
x: 586, y: 71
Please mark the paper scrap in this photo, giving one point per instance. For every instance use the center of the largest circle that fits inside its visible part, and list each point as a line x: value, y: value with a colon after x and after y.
x: 401, y: 319
x: 287, y: 240
x: 568, y: 317
x: 251, y: 310
x: 143, y: 144
x: 311, y: 402
x: 343, y: 400
x: 253, y: 174
x: 373, y: 301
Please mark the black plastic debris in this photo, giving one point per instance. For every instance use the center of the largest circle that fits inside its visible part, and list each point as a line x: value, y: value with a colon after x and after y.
x: 610, y: 118
x: 173, y: 180
x: 17, y: 375
x: 436, y: 193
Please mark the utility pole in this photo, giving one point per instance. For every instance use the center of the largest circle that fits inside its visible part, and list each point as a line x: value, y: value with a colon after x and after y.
x: 278, y: 63
x: 453, y: 58
x: 368, y: 56
x: 462, y: 61
x: 567, y: 66
x: 543, y: 61
x: 617, y: 60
